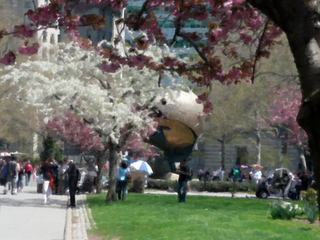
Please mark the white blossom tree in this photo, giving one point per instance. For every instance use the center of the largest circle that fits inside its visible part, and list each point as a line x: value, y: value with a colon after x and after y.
x: 113, y: 103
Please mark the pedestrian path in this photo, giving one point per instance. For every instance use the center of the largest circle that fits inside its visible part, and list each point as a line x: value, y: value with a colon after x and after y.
x: 23, y: 216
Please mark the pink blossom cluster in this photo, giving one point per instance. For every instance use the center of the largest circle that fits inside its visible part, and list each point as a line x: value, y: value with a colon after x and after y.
x: 24, y: 31
x: 8, y: 59
x: 25, y: 50
x: 74, y: 130
x: 222, y: 18
x: 284, y: 110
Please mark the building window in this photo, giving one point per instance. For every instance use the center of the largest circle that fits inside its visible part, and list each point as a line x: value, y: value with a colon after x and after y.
x: 44, y: 53
x: 89, y: 33
x: 52, y: 53
x: 44, y: 39
x: 52, y: 39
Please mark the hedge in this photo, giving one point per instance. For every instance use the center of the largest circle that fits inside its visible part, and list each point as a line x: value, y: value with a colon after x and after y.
x: 212, y: 186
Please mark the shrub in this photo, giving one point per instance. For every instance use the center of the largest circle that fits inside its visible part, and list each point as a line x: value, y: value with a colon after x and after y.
x: 310, y: 195
x: 215, y: 186
x: 311, y: 209
x: 284, y: 210
x: 312, y: 212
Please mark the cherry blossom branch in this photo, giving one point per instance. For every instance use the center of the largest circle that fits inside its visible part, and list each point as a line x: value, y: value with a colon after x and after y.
x: 195, y: 47
x: 143, y: 9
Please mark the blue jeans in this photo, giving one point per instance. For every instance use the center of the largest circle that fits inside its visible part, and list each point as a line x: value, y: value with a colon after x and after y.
x: 27, y: 179
x: 122, y: 188
x: 182, y: 196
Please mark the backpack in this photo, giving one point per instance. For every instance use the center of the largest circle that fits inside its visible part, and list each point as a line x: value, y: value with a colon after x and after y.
x: 4, y: 171
x: 189, y: 177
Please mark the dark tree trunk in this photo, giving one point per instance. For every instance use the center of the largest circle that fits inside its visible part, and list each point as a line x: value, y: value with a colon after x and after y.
x: 299, y: 21
x: 113, y: 157
x: 223, y: 152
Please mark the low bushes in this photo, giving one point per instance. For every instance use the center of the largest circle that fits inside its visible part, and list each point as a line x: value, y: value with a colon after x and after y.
x: 311, y: 209
x: 284, y: 210
x: 212, y: 186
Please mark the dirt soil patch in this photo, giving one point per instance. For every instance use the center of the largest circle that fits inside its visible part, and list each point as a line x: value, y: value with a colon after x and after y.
x: 316, y: 223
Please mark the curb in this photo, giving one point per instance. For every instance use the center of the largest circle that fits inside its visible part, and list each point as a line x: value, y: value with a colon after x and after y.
x: 77, y: 221
x: 67, y: 229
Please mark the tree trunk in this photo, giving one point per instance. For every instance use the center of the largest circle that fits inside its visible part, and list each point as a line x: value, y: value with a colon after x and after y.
x: 258, y: 144
x: 299, y: 22
x: 258, y: 137
x: 101, y: 160
x: 223, y: 153
x: 279, y: 153
x: 113, y: 157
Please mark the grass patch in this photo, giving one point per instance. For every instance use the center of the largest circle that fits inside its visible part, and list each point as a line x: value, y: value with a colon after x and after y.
x: 149, y: 216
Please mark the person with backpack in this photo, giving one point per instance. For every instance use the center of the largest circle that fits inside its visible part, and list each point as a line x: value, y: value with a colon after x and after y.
x: 123, y: 174
x: 12, y: 173
x: 184, y: 173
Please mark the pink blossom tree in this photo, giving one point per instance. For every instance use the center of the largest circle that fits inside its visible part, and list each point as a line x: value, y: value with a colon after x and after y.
x: 283, y: 111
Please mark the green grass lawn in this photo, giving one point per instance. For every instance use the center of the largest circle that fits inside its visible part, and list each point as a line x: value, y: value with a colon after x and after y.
x: 148, y: 216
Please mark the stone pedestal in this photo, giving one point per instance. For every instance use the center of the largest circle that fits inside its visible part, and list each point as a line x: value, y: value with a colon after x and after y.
x: 137, y: 182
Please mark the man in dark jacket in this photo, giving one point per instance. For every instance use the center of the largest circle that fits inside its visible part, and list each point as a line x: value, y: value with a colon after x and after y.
x: 183, y: 172
x: 73, y: 174
x: 11, y: 175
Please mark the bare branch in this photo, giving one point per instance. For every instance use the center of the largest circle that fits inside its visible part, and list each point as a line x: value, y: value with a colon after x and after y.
x: 143, y: 9
x: 258, y: 51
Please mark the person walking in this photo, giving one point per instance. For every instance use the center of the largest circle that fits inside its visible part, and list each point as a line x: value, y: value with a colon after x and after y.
x: 21, y: 177
x: 48, y: 184
x: 123, y: 174
x: 73, y: 174
x: 28, y: 170
x: 11, y: 175
x: 62, y: 176
x: 183, y: 172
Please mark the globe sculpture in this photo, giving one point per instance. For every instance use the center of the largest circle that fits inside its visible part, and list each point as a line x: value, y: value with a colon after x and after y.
x: 180, y: 122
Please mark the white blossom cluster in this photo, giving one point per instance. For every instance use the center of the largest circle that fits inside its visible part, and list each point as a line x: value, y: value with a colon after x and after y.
x: 75, y: 82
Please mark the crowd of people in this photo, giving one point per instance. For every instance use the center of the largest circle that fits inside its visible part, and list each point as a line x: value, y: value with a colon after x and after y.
x: 15, y: 174
x: 56, y: 178
x: 238, y: 174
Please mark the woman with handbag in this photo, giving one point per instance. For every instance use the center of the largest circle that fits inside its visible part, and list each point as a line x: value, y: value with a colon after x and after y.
x: 48, y: 184
x: 123, y: 174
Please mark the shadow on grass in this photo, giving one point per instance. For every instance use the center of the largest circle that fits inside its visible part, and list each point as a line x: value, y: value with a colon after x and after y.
x: 305, y: 229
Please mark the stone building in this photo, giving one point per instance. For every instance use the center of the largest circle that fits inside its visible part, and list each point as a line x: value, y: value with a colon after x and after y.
x: 207, y: 155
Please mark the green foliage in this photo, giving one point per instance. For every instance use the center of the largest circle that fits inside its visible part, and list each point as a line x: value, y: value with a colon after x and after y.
x: 311, y: 196
x: 152, y: 216
x: 284, y: 210
x: 49, y: 147
x: 311, y: 209
x: 57, y: 154
x: 312, y: 212
x: 212, y: 186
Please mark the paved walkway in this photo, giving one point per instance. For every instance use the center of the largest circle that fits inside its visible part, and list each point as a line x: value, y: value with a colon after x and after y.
x: 23, y: 216
x: 209, y: 194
